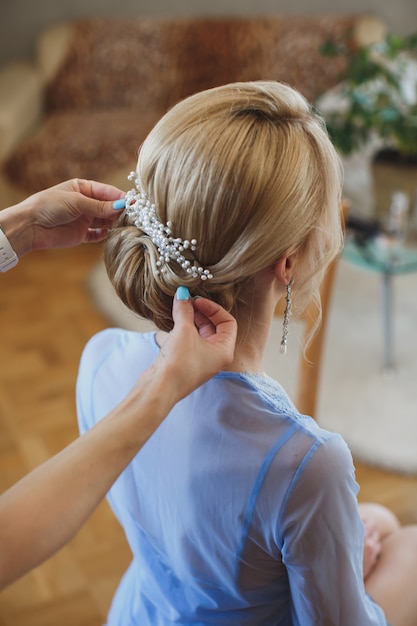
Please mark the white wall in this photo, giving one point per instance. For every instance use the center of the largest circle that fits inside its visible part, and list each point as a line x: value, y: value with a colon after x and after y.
x: 21, y: 20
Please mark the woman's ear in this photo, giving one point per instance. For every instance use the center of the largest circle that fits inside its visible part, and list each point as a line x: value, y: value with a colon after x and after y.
x: 284, y: 267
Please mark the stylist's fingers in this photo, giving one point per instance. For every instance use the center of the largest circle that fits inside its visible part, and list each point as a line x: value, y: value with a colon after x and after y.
x: 101, y: 212
x: 97, y: 234
x: 212, y: 319
x: 190, y: 357
x: 182, y: 309
x: 99, y: 201
x: 212, y: 322
x: 98, y: 191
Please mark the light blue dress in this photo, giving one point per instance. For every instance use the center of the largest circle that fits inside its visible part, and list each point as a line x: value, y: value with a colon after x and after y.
x: 238, y: 510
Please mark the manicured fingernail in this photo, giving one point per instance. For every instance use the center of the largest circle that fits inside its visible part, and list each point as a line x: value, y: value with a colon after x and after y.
x: 119, y: 204
x: 183, y: 293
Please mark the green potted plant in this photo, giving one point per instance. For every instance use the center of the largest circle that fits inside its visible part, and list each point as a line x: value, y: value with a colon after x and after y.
x: 375, y: 104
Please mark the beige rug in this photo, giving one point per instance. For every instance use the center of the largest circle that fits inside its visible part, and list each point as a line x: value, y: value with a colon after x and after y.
x: 375, y: 410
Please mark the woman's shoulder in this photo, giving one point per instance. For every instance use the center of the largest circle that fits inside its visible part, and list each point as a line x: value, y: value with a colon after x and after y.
x: 304, y: 432
x: 117, y: 353
x: 113, y: 339
x: 110, y: 364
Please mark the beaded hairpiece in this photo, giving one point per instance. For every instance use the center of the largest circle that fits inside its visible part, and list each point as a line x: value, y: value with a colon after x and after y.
x: 142, y: 213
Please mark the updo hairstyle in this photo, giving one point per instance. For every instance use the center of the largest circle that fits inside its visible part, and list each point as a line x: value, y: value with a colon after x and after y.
x: 246, y: 169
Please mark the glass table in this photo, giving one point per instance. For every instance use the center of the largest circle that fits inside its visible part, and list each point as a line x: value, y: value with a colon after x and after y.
x: 389, y: 257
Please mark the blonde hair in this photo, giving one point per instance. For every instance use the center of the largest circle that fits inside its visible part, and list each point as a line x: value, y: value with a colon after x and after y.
x: 246, y: 169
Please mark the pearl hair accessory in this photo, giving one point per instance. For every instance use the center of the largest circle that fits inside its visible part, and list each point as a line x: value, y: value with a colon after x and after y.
x: 142, y: 213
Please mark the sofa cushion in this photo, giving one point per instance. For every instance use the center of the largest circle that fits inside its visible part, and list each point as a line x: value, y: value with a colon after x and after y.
x: 119, y: 76
x: 150, y: 62
x: 81, y: 144
x: 287, y: 49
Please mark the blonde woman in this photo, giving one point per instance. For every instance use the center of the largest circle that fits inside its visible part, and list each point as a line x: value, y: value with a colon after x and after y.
x: 238, y: 509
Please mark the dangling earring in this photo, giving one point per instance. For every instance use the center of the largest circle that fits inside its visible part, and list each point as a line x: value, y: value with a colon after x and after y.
x: 287, y: 316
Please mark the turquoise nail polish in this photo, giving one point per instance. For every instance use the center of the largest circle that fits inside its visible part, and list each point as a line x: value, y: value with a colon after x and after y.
x: 119, y: 204
x: 183, y: 293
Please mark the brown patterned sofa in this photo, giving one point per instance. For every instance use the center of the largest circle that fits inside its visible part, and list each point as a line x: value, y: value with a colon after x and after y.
x: 99, y: 85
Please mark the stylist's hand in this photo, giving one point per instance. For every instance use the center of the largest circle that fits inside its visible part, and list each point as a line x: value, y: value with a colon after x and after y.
x: 200, y: 345
x: 65, y: 215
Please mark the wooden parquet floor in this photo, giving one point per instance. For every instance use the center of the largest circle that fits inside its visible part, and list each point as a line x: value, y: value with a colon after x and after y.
x: 46, y: 317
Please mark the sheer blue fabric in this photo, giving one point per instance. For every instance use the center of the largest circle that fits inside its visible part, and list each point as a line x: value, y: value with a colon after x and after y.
x: 238, y: 510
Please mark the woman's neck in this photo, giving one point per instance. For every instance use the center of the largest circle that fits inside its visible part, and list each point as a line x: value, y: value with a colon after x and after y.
x: 254, y: 326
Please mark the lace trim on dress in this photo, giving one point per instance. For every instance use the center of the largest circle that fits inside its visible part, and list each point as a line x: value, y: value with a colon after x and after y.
x: 272, y: 392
